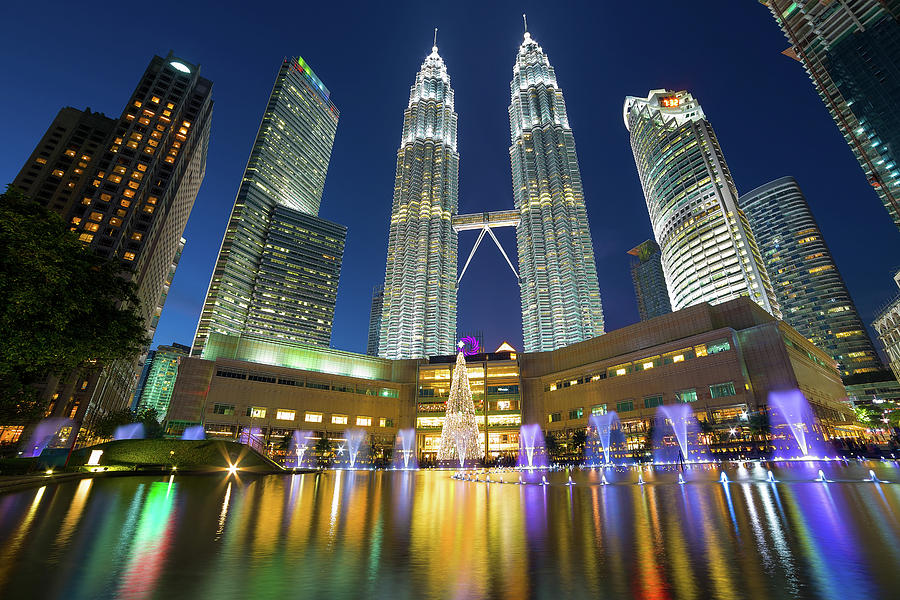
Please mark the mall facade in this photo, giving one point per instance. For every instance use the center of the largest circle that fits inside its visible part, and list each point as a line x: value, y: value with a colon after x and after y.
x: 724, y: 360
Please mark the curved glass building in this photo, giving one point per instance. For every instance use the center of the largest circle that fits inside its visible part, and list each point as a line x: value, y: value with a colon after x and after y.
x: 808, y: 285
x: 708, y: 250
x: 419, y: 310
x: 558, y: 277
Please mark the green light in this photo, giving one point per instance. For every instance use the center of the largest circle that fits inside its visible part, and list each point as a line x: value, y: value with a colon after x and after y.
x: 789, y: 10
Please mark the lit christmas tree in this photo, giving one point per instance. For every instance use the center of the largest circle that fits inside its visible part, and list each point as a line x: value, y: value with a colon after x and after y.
x: 459, y: 437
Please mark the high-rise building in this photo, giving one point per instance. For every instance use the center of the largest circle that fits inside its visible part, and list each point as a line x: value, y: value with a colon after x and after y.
x: 808, y: 286
x: 887, y: 325
x: 126, y: 186
x: 279, y: 263
x: 157, y: 389
x: 649, y: 281
x: 65, y: 159
x: 851, y: 51
x: 558, y: 277
x: 419, y: 311
x: 708, y: 250
x: 375, y: 321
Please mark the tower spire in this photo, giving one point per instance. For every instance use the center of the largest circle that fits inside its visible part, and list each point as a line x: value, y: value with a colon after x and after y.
x: 525, y: 20
x: 434, y: 45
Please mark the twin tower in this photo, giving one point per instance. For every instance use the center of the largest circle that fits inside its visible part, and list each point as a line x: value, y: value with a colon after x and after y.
x: 557, y: 273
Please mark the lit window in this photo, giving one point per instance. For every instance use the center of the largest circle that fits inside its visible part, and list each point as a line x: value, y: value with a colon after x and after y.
x: 678, y: 358
x: 136, y: 236
x: 42, y: 161
x: 363, y: 421
x: 382, y: 422
x: 338, y: 419
x: 721, y: 390
x: 313, y: 417
x: 620, y: 371
x: 125, y: 203
x: 70, y: 153
x: 129, y: 256
x: 285, y: 415
x: 648, y: 365
x: 256, y: 412
x: 91, y: 226
x: 57, y: 173
x: 154, y: 99
x: 96, y: 216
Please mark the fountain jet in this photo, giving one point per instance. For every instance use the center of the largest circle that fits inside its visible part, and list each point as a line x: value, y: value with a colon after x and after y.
x: 405, y: 450
x: 532, y: 449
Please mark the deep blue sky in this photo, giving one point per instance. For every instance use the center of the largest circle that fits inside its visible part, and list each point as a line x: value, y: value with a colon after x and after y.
x: 764, y: 109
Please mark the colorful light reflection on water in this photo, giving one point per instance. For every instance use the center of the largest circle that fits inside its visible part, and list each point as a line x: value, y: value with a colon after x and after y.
x: 425, y: 535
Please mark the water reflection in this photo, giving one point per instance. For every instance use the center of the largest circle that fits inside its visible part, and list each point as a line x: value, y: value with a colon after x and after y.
x: 424, y: 535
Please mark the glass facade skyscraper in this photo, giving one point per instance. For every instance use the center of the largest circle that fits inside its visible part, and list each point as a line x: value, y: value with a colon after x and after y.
x: 279, y: 264
x: 157, y: 387
x: 810, y: 290
x: 649, y: 281
x: 708, y: 250
x: 419, y: 310
x: 375, y: 321
x: 558, y: 277
x: 851, y: 51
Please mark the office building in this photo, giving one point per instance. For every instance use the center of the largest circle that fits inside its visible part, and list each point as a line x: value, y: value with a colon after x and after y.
x: 851, y: 52
x: 649, y: 281
x: 65, y: 159
x: 558, y: 277
x: 375, y: 321
x: 808, y: 286
x: 708, y: 250
x: 419, y: 308
x: 157, y: 389
x: 126, y: 187
x: 279, y: 264
x: 887, y: 326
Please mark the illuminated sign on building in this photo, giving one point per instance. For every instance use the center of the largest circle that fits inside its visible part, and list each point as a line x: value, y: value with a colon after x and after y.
x: 669, y: 102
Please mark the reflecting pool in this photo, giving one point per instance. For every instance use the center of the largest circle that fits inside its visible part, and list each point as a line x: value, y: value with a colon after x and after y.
x: 423, y: 534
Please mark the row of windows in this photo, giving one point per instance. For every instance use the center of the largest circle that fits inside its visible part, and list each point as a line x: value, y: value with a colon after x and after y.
x: 645, y: 364
x: 316, y: 385
x: 285, y: 414
x: 718, y: 390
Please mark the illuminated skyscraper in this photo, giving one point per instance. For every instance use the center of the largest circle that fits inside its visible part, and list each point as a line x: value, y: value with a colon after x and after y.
x: 708, y: 250
x: 279, y: 264
x: 419, y: 311
x: 375, y: 321
x: 558, y: 278
x: 158, y: 378
x: 851, y: 51
x: 808, y: 285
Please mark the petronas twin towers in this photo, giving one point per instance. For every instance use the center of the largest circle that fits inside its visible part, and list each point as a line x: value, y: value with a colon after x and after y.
x: 557, y: 274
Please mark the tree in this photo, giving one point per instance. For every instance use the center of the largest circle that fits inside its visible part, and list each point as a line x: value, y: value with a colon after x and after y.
x: 579, y: 440
x: 552, y: 446
x: 105, y: 426
x: 63, y: 309
x: 324, y: 451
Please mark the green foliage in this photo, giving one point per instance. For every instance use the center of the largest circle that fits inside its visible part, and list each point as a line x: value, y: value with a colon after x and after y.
x: 185, y: 454
x: 105, y: 426
x: 867, y: 416
x: 61, y: 306
x: 325, y: 451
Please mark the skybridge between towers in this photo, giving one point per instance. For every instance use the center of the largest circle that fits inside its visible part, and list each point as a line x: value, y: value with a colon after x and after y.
x: 486, y: 222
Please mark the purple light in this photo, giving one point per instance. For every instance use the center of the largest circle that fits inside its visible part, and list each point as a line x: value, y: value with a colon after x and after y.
x: 468, y: 345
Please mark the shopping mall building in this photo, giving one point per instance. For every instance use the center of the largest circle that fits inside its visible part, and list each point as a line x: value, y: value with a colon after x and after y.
x: 723, y: 360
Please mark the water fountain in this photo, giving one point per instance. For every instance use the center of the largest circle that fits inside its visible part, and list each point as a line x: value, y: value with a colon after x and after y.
x: 680, y: 479
x: 131, y: 431
x: 298, y: 447
x: 405, y: 450
x: 771, y: 478
x: 45, y: 434
x: 194, y: 432
x: 532, y: 449
x: 723, y: 478
x: 791, y: 411
x: 570, y: 482
x: 603, y: 480
x: 355, y: 439
x: 640, y: 478
x: 603, y: 432
x: 679, y: 421
x: 543, y: 480
x: 821, y: 478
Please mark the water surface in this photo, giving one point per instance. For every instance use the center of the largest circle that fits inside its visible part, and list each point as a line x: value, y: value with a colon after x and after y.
x: 424, y: 535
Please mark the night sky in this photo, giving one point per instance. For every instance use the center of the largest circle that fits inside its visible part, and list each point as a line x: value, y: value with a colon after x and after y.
x: 768, y: 118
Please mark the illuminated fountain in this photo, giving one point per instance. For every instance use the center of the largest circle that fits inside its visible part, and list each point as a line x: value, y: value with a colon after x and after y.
x: 46, y: 433
x: 790, y: 411
x: 298, y: 447
x: 355, y: 439
x: 131, y: 431
x: 405, y: 450
x: 603, y: 431
x: 532, y: 449
x: 195, y: 432
x: 679, y: 421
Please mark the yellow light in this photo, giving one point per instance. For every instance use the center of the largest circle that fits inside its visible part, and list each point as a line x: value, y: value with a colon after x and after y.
x: 49, y: 471
x: 678, y: 358
x: 648, y: 365
x: 232, y: 469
